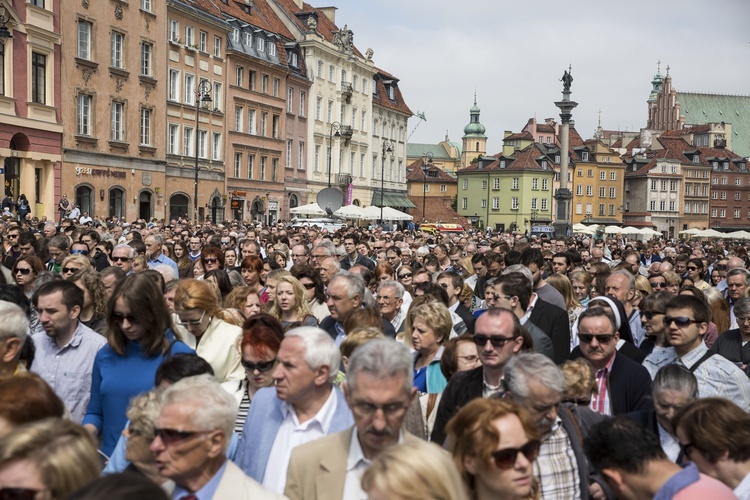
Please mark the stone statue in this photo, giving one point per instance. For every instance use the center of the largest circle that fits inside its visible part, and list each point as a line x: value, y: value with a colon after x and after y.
x: 344, y: 38
x: 567, y: 79
x: 368, y: 54
x: 312, y: 23
x: 646, y: 139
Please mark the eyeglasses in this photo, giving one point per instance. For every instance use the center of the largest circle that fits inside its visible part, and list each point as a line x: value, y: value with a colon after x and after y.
x: 405, y: 275
x: 741, y: 320
x: 192, y: 322
x: 12, y: 236
x: 23, y: 270
x: 70, y: 270
x: 721, y: 267
x: 79, y: 252
x: 309, y: 286
x: 686, y: 448
x: 211, y: 261
x: 587, y: 338
x: 262, y: 367
x: 121, y: 259
x: 225, y: 242
x: 505, y: 459
x: 680, y: 321
x: 424, y: 285
x: 18, y: 494
x: 481, y: 340
x: 649, y: 314
x: 368, y: 410
x: 173, y: 436
x: 657, y: 285
x: 120, y: 318
x: 692, y: 268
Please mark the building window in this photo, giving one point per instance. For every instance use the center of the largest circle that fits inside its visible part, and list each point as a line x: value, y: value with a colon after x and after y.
x: 484, y: 203
x: 146, y: 5
x: 38, y: 78
x: 238, y: 118
x: 260, y: 44
x: 580, y: 172
x: 330, y: 111
x: 289, y: 100
x: 251, y: 124
x: 218, y: 100
x: 590, y: 172
x: 545, y: 184
x: 202, y: 41
x: 174, y: 85
x: 544, y: 203
x: 202, y: 144
x: 589, y: 190
x: 117, y: 122
x: 217, y: 46
x: 602, y: 192
x: 250, y: 165
x: 723, y: 180
x: 118, y: 43
x: 736, y: 196
x: 174, y: 31
x: 514, y: 203
x: 601, y: 209
x: 263, y: 123
x: 302, y: 96
x: 272, y: 49
x: 316, y: 158
x: 723, y: 195
x: 613, y: 176
x: 289, y: 144
x: 239, y: 76
x: 84, y: 114
x: 722, y: 213
x: 534, y: 184
x: 319, y: 73
x: 146, y: 49
x: 274, y: 169
x: 84, y: 40
x: 495, y: 203
x: 276, y: 87
x: 216, y: 146
x: 187, y: 142
x: 579, y: 190
x: 613, y: 192
x: 237, y: 164
x: 264, y: 84
x: 534, y: 203
x: 464, y: 203
x: 514, y: 186
x: 443, y: 188
x: 484, y: 184
x: 653, y: 185
x: 173, y: 138
x: 145, y: 127
x: 189, y: 30
x: 603, y: 175
x: 331, y: 74
x: 263, y: 162
x: 362, y: 165
x: 662, y: 205
x: 37, y: 3
x: 301, y: 155
x: 495, y: 183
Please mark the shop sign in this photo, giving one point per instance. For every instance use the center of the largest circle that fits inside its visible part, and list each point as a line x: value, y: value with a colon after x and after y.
x: 100, y: 172
x: 273, y: 205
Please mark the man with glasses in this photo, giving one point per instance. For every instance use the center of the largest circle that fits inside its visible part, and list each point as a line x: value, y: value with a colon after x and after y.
x: 390, y: 301
x: 498, y: 337
x: 122, y: 257
x: 686, y: 321
x: 353, y: 257
x: 193, y: 432
x: 623, y: 385
x: 421, y: 281
x: 379, y: 390
x: 66, y: 348
x: 303, y: 406
x: 12, y: 248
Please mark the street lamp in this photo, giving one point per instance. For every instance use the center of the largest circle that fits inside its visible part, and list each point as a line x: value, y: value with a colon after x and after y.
x: 587, y: 218
x: 387, y: 148
x: 426, y: 160
x: 534, y: 213
x: 202, y: 95
x: 335, y: 131
x: 4, y: 31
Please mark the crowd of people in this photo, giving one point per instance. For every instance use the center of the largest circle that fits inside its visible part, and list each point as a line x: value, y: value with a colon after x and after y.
x: 236, y: 361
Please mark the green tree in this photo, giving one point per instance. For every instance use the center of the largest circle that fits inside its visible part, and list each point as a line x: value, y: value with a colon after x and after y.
x: 454, y: 203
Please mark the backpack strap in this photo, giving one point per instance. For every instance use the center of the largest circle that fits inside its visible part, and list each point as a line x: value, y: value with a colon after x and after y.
x: 700, y: 361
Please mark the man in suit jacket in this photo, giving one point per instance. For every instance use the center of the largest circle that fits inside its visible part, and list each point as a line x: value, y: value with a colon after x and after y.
x: 554, y: 322
x: 303, y: 406
x: 453, y: 284
x: 379, y: 389
x: 353, y: 257
x: 624, y: 385
x: 194, y: 427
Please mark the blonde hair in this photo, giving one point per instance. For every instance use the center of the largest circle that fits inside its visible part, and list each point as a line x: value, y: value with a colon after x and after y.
x: 358, y: 337
x: 81, y: 261
x: 195, y: 294
x: 414, y: 470
x: 63, y: 452
x: 562, y: 284
x: 144, y: 412
x: 580, y: 381
x: 301, y: 307
x: 435, y: 315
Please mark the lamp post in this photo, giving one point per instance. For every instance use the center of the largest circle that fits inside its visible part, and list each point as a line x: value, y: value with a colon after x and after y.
x: 387, y: 147
x: 4, y: 31
x: 334, y: 131
x: 426, y: 160
x: 202, y: 95
x: 534, y: 213
x: 587, y: 218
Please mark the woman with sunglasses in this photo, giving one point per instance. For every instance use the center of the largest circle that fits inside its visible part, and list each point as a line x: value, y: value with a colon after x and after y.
x: 139, y: 338
x: 405, y: 275
x: 314, y: 290
x: 196, y: 305
x: 74, y: 263
x: 494, y: 444
x: 25, y: 271
x: 258, y: 345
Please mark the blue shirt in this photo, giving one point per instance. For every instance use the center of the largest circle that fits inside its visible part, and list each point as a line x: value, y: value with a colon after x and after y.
x: 163, y: 259
x: 115, y: 381
x: 679, y: 481
x: 208, y: 490
x: 420, y: 379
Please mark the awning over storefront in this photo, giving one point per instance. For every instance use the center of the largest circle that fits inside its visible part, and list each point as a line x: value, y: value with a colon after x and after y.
x: 393, y: 200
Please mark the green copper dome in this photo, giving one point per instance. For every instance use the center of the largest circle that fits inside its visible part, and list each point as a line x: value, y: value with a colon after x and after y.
x: 474, y: 128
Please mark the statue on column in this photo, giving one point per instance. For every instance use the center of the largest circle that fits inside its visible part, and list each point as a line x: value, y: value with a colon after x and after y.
x: 567, y: 79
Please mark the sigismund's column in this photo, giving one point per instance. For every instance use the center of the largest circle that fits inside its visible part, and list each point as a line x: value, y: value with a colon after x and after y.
x: 563, y: 196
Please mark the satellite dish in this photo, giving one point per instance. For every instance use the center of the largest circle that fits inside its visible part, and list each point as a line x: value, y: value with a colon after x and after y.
x: 330, y: 199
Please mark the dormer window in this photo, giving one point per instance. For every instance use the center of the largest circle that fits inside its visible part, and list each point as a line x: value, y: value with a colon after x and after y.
x: 293, y: 59
x: 726, y: 165
x: 743, y: 166
x: 260, y: 44
x: 715, y: 165
x: 392, y: 92
x: 271, y: 49
x: 557, y: 159
x: 248, y: 39
x: 544, y: 163
x: 635, y: 167
x: 236, y: 35
x: 585, y: 156
x: 696, y: 158
x: 502, y: 163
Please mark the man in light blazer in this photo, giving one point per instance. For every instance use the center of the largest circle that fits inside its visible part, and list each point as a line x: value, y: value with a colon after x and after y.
x: 303, y: 406
x: 193, y: 431
x: 378, y: 389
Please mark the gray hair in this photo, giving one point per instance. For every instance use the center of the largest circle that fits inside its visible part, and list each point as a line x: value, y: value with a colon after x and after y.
x: 381, y: 358
x: 520, y: 268
x: 131, y: 250
x: 15, y: 323
x: 143, y: 412
x: 158, y: 238
x: 327, y: 246
x: 334, y: 260
x: 627, y: 274
x: 60, y: 241
x: 422, y: 251
x: 737, y: 271
x: 676, y: 378
x: 397, y: 287
x: 320, y: 349
x: 521, y: 369
x: 742, y: 307
x: 166, y: 271
x: 217, y: 408
x: 355, y: 283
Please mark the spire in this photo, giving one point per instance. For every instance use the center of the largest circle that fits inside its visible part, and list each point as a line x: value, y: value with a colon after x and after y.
x: 656, y: 82
x: 474, y: 128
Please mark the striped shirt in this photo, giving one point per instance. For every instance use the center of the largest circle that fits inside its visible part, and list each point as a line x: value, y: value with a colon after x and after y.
x: 556, y: 468
x: 718, y: 377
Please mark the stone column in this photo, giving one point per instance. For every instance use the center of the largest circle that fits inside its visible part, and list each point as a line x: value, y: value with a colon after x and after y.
x: 563, y: 196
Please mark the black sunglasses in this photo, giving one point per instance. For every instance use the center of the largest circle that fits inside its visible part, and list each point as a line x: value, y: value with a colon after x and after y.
x: 658, y: 285
x: 505, y: 459
x: 18, y: 494
x: 481, y: 340
x: 405, y: 275
x: 70, y: 270
x: 262, y: 367
x: 172, y: 436
x: 121, y: 259
x: 23, y: 270
x: 309, y: 286
x: 119, y: 318
x: 587, y: 338
x: 680, y: 321
x: 649, y: 314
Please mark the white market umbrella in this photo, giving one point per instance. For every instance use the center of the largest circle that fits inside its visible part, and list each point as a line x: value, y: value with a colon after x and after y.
x: 583, y: 228
x: 743, y: 235
x: 691, y: 231
x: 613, y: 229
x: 311, y: 209
x: 647, y: 231
x: 349, y: 212
x: 373, y: 213
x: 631, y: 230
x: 709, y: 233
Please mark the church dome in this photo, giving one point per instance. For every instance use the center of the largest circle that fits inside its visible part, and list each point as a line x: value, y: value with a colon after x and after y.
x: 474, y: 127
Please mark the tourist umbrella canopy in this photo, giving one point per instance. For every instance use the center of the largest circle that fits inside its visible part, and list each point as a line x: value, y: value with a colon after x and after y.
x: 613, y: 229
x: 311, y: 209
x: 373, y: 213
x: 740, y: 235
x: 631, y: 230
x: 647, y: 231
x: 349, y: 212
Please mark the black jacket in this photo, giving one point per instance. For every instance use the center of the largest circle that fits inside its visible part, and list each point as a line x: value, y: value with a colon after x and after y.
x: 361, y: 260
x: 554, y: 322
x: 462, y: 388
x: 329, y: 325
x: 466, y: 315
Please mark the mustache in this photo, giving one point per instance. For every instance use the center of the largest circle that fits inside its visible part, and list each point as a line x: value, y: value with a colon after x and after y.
x: 387, y: 431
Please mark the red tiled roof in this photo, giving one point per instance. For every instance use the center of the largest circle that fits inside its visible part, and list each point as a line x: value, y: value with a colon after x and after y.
x: 543, y: 127
x: 381, y: 95
x: 261, y: 16
x: 574, y: 138
x: 437, y: 209
x: 416, y: 174
x: 206, y: 6
x: 519, y: 135
x: 617, y: 144
x: 525, y: 159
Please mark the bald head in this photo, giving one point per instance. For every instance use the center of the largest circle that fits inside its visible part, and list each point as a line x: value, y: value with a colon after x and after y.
x: 734, y: 263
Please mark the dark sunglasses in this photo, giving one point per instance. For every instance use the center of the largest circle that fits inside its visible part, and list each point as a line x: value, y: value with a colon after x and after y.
x: 692, y: 268
x: 309, y: 286
x: 23, y: 270
x: 120, y: 318
x: 587, y: 338
x: 121, y: 259
x: 505, y: 459
x: 211, y: 261
x: 658, y: 285
x: 481, y: 340
x: 18, y: 494
x: 70, y: 270
x: 262, y: 367
x: 650, y: 314
x: 680, y: 321
x: 405, y: 275
x: 172, y: 436
x: 423, y: 285
x: 80, y: 252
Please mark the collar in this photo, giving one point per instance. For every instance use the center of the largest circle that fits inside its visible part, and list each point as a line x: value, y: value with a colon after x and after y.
x: 75, y: 339
x: 678, y: 482
x: 693, y: 356
x: 356, y: 455
x: 555, y: 426
x: 494, y: 388
x: 454, y: 306
x: 207, y: 491
x: 608, y: 366
x: 160, y: 258
x: 530, y: 309
x: 323, y: 418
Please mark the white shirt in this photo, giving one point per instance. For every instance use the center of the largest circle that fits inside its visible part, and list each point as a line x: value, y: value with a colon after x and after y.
x: 291, y: 434
x: 669, y: 443
x: 743, y: 489
x: 356, y: 465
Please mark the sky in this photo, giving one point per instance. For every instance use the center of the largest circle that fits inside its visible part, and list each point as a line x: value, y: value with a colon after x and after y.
x: 513, y: 54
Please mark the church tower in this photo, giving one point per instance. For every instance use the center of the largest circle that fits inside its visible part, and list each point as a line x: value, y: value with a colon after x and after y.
x: 656, y: 89
x: 474, y: 140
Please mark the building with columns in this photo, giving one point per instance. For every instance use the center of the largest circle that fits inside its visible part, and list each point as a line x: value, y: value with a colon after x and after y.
x: 31, y: 92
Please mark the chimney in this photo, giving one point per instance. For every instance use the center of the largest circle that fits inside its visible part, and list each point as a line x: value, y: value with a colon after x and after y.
x: 299, y: 3
x: 330, y: 12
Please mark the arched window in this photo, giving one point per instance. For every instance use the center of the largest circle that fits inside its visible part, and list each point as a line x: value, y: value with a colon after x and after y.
x: 117, y: 202
x: 293, y: 201
x: 84, y: 199
x: 144, y: 205
x: 178, y: 206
